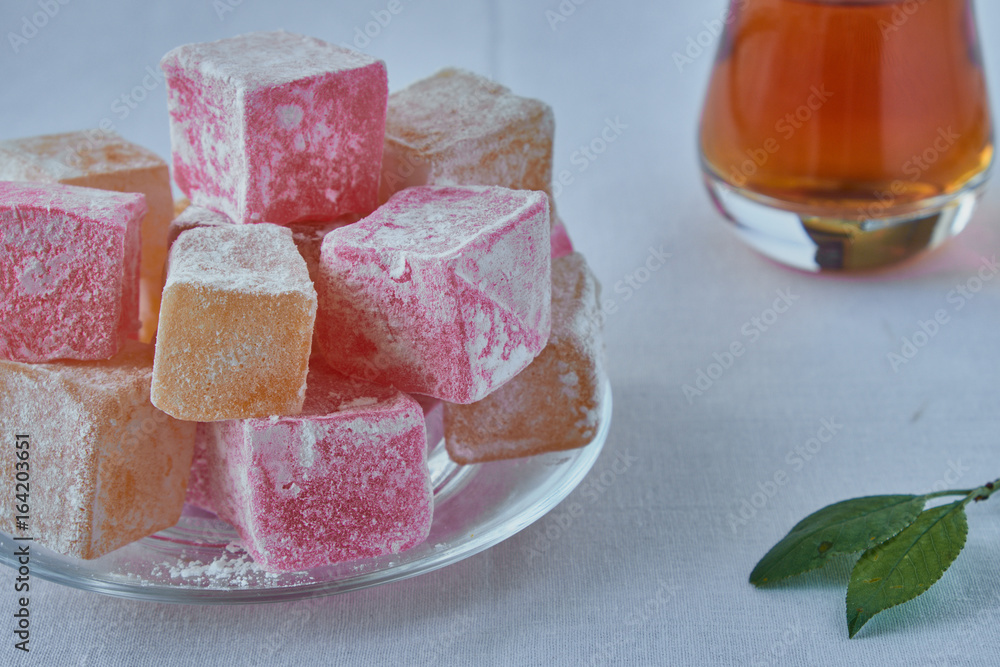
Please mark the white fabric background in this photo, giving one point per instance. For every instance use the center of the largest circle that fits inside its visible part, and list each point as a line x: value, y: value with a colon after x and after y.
x: 654, y: 571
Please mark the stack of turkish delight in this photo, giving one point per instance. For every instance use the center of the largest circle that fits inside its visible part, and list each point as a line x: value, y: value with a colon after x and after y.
x: 349, y: 260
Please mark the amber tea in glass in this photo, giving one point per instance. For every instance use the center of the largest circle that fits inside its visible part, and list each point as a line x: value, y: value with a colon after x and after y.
x: 847, y: 134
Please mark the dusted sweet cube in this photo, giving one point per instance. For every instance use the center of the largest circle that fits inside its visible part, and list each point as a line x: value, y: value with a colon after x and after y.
x: 443, y: 291
x: 195, y: 217
x: 561, y: 243
x: 106, y: 467
x: 308, y: 236
x: 198, y: 485
x: 103, y: 160
x: 458, y: 128
x: 69, y: 271
x: 236, y: 325
x: 345, y: 479
x: 554, y: 404
x: 276, y: 127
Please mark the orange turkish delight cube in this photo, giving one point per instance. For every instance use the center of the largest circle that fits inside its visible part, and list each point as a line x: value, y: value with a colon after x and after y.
x: 105, y: 467
x: 236, y: 325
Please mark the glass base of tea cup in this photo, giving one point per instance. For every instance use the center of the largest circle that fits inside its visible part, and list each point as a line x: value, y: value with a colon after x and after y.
x: 812, y: 240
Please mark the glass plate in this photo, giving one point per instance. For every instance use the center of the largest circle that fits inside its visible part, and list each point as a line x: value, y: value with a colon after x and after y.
x: 199, y: 560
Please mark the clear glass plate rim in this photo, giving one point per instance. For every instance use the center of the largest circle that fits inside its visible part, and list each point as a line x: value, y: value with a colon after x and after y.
x: 565, y: 481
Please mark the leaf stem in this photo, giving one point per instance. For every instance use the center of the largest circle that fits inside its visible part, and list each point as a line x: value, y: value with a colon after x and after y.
x: 946, y: 494
x: 980, y: 494
x: 983, y: 493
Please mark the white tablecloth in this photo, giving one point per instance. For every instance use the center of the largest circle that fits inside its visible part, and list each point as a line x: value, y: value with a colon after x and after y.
x: 654, y: 571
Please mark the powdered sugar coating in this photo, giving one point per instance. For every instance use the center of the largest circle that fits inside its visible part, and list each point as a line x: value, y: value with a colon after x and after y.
x: 268, y: 59
x: 107, y: 468
x: 308, y: 237
x: 72, y: 156
x: 252, y: 259
x: 458, y: 128
x: 346, y: 479
x: 443, y: 291
x: 235, y: 326
x: 195, y: 217
x: 276, y: 127
x: 106, y: 161
x: 69, y: 271
x: 554, y: 404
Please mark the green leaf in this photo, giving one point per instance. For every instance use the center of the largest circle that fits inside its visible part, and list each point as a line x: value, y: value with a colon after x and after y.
x: 907, y: 565
x: 844, y: 528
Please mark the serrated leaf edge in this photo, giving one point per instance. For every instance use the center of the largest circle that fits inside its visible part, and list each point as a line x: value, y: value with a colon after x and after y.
x: 960, y: 505
x: 838, y: 552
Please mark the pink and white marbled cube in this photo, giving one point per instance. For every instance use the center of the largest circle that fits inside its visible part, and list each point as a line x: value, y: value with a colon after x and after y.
x: 443, y: 291
x: 276, y: 127
x: 69, y: 271
x: 346, y: 479
x: 555, y: 403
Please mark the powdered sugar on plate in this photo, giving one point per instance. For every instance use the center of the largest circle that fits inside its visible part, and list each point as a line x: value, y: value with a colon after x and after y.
x: 232, y: 569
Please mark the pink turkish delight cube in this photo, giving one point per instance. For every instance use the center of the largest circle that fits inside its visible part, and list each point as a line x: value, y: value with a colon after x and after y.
x: 459, y: 128
x: 103, y: 160
x: 555, y: 404
x: 443, y: 291
x: 276, y: 127
x: 345, y: 479
x: 69, y: 271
